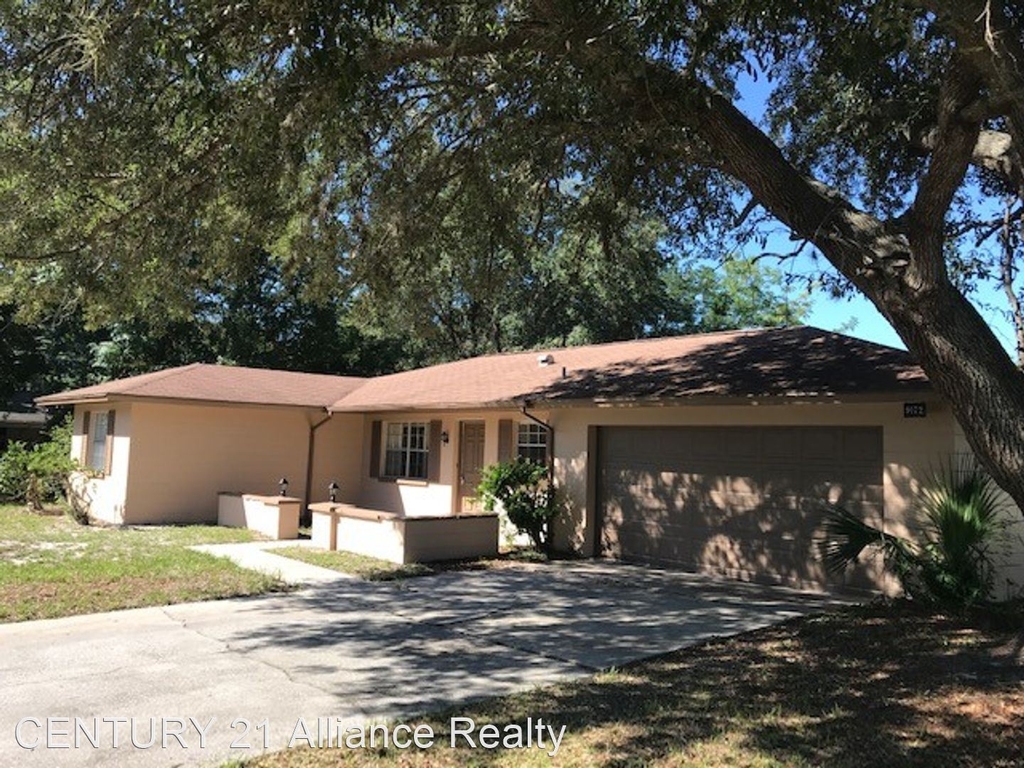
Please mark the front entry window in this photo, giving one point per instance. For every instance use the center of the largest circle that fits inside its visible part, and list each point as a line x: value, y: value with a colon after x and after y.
x: 406, y: 450
x: 532, y: 443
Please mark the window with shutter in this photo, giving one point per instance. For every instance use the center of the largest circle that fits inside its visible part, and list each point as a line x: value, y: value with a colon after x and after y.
x: 406, y: 450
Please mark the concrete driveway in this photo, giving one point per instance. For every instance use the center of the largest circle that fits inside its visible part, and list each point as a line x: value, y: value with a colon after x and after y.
x: 346, y: 649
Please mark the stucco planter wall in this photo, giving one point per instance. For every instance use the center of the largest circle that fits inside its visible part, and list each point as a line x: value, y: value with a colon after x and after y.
x: 276, y: 517
x: 399, y: 539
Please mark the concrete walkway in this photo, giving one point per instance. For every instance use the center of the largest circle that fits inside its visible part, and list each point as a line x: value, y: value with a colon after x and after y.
x: 259, y: 556
x: 344, y: 649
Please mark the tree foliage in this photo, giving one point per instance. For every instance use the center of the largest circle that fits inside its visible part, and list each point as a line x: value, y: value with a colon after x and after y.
x: 258, y: 317
x: 39, y: 474
x: 152, y: 148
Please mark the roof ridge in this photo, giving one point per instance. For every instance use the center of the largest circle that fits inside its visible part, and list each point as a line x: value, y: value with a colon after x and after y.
x: 164, y: 373
x: 648, y: 339
x: 231, y: 366
x: 602, y: 345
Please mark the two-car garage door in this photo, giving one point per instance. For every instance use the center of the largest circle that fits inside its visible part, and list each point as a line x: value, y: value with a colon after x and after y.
x: 745, y: 502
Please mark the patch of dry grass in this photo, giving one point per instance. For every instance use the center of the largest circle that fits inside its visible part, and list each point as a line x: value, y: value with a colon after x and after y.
x: 375, y: 569
x: 51, y: 566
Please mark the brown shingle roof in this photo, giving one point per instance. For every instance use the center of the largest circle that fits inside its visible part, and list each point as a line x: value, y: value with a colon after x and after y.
x: 777, y: 362
x: 785, y: 362
x: 221, y: 384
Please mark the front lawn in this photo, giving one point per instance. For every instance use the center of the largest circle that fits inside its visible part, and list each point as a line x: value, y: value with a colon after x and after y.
x: 50, y: 566
x: 374, y: 569
x: 863, y: 686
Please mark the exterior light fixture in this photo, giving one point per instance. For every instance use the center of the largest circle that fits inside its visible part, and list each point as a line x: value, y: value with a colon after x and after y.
x: 332, y: 491
x: 444, y: 437
x: 283, y: 483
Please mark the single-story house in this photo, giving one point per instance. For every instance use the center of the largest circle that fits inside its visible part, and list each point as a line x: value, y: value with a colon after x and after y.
x: 712, y: 451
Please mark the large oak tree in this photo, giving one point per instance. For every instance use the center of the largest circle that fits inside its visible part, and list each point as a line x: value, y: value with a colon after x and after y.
x: 147, y: 145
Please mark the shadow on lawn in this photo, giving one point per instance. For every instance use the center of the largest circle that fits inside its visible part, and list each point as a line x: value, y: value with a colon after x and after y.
x: 861, y: 686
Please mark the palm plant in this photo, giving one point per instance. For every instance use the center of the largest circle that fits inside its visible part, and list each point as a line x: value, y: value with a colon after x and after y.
x: 960, y: 510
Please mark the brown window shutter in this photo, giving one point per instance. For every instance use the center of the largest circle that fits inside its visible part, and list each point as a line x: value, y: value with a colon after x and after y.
x: 506, y: 438
x: 84, y: 453
x: 434, y: 457
x: 375, y: 449
x: 109, y: 452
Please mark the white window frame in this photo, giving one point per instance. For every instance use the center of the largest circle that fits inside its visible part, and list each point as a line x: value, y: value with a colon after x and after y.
x: 531, y: 438
x: 406, y: 449
x: 98, y: 442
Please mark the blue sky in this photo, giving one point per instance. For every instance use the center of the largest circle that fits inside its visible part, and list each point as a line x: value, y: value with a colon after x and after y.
x: 867, y: 322
x: 856, y: 311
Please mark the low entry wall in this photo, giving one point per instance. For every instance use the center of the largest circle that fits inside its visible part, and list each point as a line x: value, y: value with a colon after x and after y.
x: 276, y: 517
x: 398, y: 539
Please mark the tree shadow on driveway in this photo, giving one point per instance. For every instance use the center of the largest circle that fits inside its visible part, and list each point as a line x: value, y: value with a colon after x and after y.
x: 413, y: 646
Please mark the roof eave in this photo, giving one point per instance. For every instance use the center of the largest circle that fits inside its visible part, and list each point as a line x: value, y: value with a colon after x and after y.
x: 51, y: 400
x: 881, y: 396
x: 54, y: 400
x: 491, y: 405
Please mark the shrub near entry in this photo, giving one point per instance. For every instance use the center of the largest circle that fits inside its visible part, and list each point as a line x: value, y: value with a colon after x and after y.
x: 525, y: 492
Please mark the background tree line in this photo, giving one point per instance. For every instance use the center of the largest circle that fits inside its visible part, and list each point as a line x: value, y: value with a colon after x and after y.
x: 263, y: 319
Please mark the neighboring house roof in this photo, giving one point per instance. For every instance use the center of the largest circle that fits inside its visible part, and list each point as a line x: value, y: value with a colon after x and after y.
x: 18, y: 419
x: 783, y: 362
x: 220, y: 384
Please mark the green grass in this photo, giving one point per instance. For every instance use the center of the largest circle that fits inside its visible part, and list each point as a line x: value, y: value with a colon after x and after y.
x: 374, y: 569
x: 863, y: 686
x: 51, y: 566
x: 369, y: 568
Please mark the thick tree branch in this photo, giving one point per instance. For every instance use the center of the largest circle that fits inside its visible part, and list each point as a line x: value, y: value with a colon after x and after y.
x: 986, y: 34
x: 993, y: 152
x: 1008, y: 274
x: 861, y: 246
x: 954, y: 141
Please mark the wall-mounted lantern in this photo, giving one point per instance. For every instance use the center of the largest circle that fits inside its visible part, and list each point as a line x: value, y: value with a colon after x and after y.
x: 444, y: 437
x: 283, y: 484
x: 332, y: 491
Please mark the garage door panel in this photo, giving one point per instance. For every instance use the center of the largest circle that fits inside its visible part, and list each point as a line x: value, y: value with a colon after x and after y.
x: 761, y: 524
x: 821, y: 445
x: 745, y: 501
x: 780, y: 443
x: 740, y: 445
x: 760, y: 561
x: 862, y: 445
x: 697, y: 526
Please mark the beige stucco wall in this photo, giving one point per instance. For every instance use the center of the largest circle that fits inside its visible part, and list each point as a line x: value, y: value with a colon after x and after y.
x: 414, y: 498
x: 184, y: 454
x: 338, y: 457
x: 105, y: 495
x: 910, y: 447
